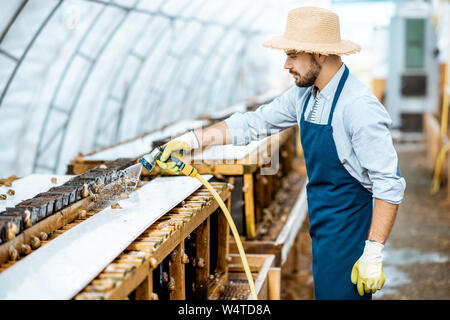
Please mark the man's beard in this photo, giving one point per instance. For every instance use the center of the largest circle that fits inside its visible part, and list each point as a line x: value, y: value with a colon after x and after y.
x: 310, y: 77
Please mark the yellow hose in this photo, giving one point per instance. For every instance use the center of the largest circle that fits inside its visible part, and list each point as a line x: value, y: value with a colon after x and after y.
x: 445, y: 103
x: 435, y: 183
x: 235, y: 234
x: 192, y: 172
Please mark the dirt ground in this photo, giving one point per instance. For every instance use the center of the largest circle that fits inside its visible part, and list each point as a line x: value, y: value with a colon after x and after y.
x: 416, y: 258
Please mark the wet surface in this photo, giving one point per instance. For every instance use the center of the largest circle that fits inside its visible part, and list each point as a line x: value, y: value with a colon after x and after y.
x: 416, y: 258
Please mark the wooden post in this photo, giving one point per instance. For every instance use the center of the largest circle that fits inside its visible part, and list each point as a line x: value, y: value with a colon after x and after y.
x: 289, y: 149
x: 259, y: 196
x: 273, y: 283
x: 202, y: 245
x: 249, y: 208
x: 448, y: 175
x: 177, y: 274
x: 296, y: 254
x: 223, y: 231
x: 145, y: 290
x: 268, y: 183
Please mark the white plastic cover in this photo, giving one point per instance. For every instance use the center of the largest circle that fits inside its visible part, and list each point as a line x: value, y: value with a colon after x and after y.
x: 79, y: 75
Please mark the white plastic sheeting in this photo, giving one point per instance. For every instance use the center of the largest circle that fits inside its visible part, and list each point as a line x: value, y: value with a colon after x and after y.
x: 78, y: 75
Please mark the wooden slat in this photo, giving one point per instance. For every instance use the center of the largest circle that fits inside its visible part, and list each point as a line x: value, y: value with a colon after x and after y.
x: 129, y: 283
x: 169, y: 244
x: 155, y: 256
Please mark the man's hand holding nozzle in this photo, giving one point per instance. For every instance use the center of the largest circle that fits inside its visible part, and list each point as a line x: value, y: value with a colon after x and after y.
x: 176, y: 147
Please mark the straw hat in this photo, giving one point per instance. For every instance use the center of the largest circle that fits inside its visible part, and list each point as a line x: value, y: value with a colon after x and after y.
x: 314, y: 30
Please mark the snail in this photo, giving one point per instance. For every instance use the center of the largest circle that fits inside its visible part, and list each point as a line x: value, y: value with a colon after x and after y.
x: 12, y: 230
x: 201, y: 263
x: 184, y: 258
x: 171, y: 284
x: 153, y: 263
x: 27, y: 219
x: 116, y: 205
x: 35, y: 242
x: 13, y: 254
x: 82, y: 214
x: 43, y: 236
x: 25, y: 249
x: 85, y: 192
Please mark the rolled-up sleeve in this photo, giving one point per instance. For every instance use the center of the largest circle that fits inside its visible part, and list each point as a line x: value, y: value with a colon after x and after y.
x: 368, y: 123
x: 267, y: 119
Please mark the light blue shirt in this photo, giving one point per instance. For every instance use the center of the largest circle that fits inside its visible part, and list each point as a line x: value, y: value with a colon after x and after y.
x: 360, y: 131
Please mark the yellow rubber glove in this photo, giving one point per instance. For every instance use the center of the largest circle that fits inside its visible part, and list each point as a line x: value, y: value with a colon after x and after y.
x: 367, y: 272
x: 171, y: 166
x: 186, y: 143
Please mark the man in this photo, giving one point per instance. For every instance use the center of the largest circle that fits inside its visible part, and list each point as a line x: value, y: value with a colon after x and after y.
x: 355, y: 184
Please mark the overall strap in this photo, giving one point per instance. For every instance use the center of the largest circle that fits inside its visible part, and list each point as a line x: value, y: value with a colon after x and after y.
x: 338, y: 93
x: 305, y: 105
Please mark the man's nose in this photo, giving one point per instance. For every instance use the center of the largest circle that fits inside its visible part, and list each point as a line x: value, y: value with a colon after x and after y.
x: 287, y: 64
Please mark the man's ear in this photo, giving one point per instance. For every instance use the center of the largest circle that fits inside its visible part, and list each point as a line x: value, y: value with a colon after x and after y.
x: 320, y: 58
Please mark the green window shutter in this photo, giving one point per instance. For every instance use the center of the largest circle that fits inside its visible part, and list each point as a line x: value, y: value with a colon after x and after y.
x: 415, y: 43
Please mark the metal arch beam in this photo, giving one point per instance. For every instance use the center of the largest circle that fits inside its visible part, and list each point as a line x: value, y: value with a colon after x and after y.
x: 168, y: 16
x: 186, y: 60
x: 230, y: 74
x: 201, y: 69
x: 200, y: 72
x: 135, y: 77
x: 233, y: 88
x: 80, y: 90
x: 116, y: 77
x: 27, y: 48
x: 39, y: 151
x: 155, y: 44
x: 234, y: 81
x: 235, y: 70
x: 215, y: 45
x: 203, y: 66
x: 157, y: 73
x: 61, y: 79
x: 227, y: 58
x: 8, y: 55
x: 234, y: 84
x: 13, y: 19
x: 244, y: 51
x: 170, y: 86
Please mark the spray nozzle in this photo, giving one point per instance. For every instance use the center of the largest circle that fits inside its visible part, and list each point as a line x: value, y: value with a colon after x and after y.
x: 149, y: 160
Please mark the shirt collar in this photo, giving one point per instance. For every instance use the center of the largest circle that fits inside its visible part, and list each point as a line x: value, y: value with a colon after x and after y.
x: 329, y: 90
